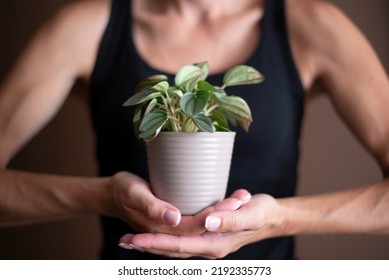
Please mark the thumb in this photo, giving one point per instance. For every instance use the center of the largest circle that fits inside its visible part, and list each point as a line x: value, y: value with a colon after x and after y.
x: 171, y: 217
x: 133, y: 194
x: 157, y: 209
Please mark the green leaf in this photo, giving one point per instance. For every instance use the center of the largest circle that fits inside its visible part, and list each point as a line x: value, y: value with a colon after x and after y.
x: 151, y: 105
x: 187, y: 73
x: 218, y: 95
x: 204, y: 67
x: 219, y: 119
x: 150, y: 81
x: 236, y: 110
x: 152, y: 122
x: 192, y: 104
x: 220, y: 128
x: 137, y: 113
x: 175, y: 92
x: 161, y: 86
x: 150, y: 137
x: 245, y: 124
x: 230, y: 116
x: 141, y: 97
x: 190, y: 84
x: 242, y: 75
x: 204, y: 85
x: 203, y: 123
x: 237, y: 106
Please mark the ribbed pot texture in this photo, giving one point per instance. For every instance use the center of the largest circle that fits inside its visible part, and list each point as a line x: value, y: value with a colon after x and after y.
x: 190, y: 170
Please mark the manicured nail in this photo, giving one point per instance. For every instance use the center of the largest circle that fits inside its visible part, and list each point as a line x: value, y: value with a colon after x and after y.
x: 130, y: 246
x: 212, y: 223
x: 246, y: 199
x: 171, y: 217
x: 237, y: 205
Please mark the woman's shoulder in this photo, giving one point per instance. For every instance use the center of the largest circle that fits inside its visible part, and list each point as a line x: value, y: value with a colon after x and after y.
x: 312, y: 10
x: 317, y: 23
x: 317, y: 31
x: 78, y: 28
x: 81, y: 17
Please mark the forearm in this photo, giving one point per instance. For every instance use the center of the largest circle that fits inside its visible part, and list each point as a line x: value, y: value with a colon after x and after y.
x: 359, y: 210
x: 28, y: 198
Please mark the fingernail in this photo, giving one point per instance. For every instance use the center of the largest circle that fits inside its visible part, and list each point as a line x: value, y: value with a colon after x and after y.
x: 212, y: 223
x: 246, y: 199
x: 237, y: 205
x: 130, y: 246
x: 171, y: 217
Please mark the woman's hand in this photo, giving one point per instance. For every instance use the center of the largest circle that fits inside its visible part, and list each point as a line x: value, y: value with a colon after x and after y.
x: 227, y: 231
x: 134, y: 203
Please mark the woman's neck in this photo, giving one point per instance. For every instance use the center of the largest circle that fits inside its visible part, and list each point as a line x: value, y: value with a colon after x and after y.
x: 195, y: 11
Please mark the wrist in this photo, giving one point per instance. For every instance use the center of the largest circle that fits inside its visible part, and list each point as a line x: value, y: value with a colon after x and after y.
x: 280, y: 220
x: 275, y: 219
x: 92, y: 196
x: 102, y: 196
x: 302, y: 216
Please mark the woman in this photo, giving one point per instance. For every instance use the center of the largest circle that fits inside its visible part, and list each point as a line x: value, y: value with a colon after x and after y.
x: 301, y: 46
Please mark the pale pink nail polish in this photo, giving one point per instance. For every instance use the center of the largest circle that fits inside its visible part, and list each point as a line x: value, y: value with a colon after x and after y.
x: 246, y: 199
x: 212, y: 223
x: 129, y: 246
x: 171, y: 217
x: 237, y: 205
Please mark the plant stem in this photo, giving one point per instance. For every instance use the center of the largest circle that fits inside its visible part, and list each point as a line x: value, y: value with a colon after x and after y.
x: 211, y: 108
x: 184, y: 124
x: 166, y: 106
x: 177, y: 125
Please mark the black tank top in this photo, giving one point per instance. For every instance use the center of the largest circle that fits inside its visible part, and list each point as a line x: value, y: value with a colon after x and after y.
x: 265, y: 160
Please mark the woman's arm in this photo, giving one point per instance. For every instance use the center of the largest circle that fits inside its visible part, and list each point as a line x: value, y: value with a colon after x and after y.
x: 36, y: 87
x: 62, y: 51
x: 350, y: 73
x: 28, y: 198
x: 30, y: 96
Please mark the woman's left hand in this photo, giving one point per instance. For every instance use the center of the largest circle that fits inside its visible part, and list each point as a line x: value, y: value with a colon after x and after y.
x: 227, y: 231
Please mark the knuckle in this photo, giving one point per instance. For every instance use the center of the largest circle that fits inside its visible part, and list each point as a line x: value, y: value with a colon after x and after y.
x: 151, y: 210
x: 232, y: 224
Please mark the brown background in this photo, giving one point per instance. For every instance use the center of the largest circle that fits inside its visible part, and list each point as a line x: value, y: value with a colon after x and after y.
x: 331, y: 158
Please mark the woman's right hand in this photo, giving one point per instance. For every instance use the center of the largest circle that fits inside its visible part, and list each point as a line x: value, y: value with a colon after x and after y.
x: 134, y: 203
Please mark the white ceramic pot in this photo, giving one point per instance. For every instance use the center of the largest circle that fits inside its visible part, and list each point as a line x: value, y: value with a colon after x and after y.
x: 190, y: 170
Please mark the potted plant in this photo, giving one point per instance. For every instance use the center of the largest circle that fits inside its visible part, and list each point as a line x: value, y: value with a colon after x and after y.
x: 185, y: 127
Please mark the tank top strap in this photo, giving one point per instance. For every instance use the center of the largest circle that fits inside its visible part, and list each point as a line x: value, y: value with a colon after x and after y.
x: 276, y: 43
x: 114, y: 39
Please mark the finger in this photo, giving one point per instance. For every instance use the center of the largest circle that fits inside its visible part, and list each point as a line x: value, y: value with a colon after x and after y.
x: 222, y: 222
x: 242, y: 195
x: 230, y: 221
x: 168, y: 254
x: 169, y: 245
x: 227, y: 204
x: 235, y: 201
x: 143, y: 200
x: 125, y: 243
x: 194, y: 225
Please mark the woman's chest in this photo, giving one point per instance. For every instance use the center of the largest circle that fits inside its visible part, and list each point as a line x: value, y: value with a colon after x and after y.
x: 167, y: 43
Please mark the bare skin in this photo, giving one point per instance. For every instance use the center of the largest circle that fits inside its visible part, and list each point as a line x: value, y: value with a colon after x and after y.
x: 351, y: 75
